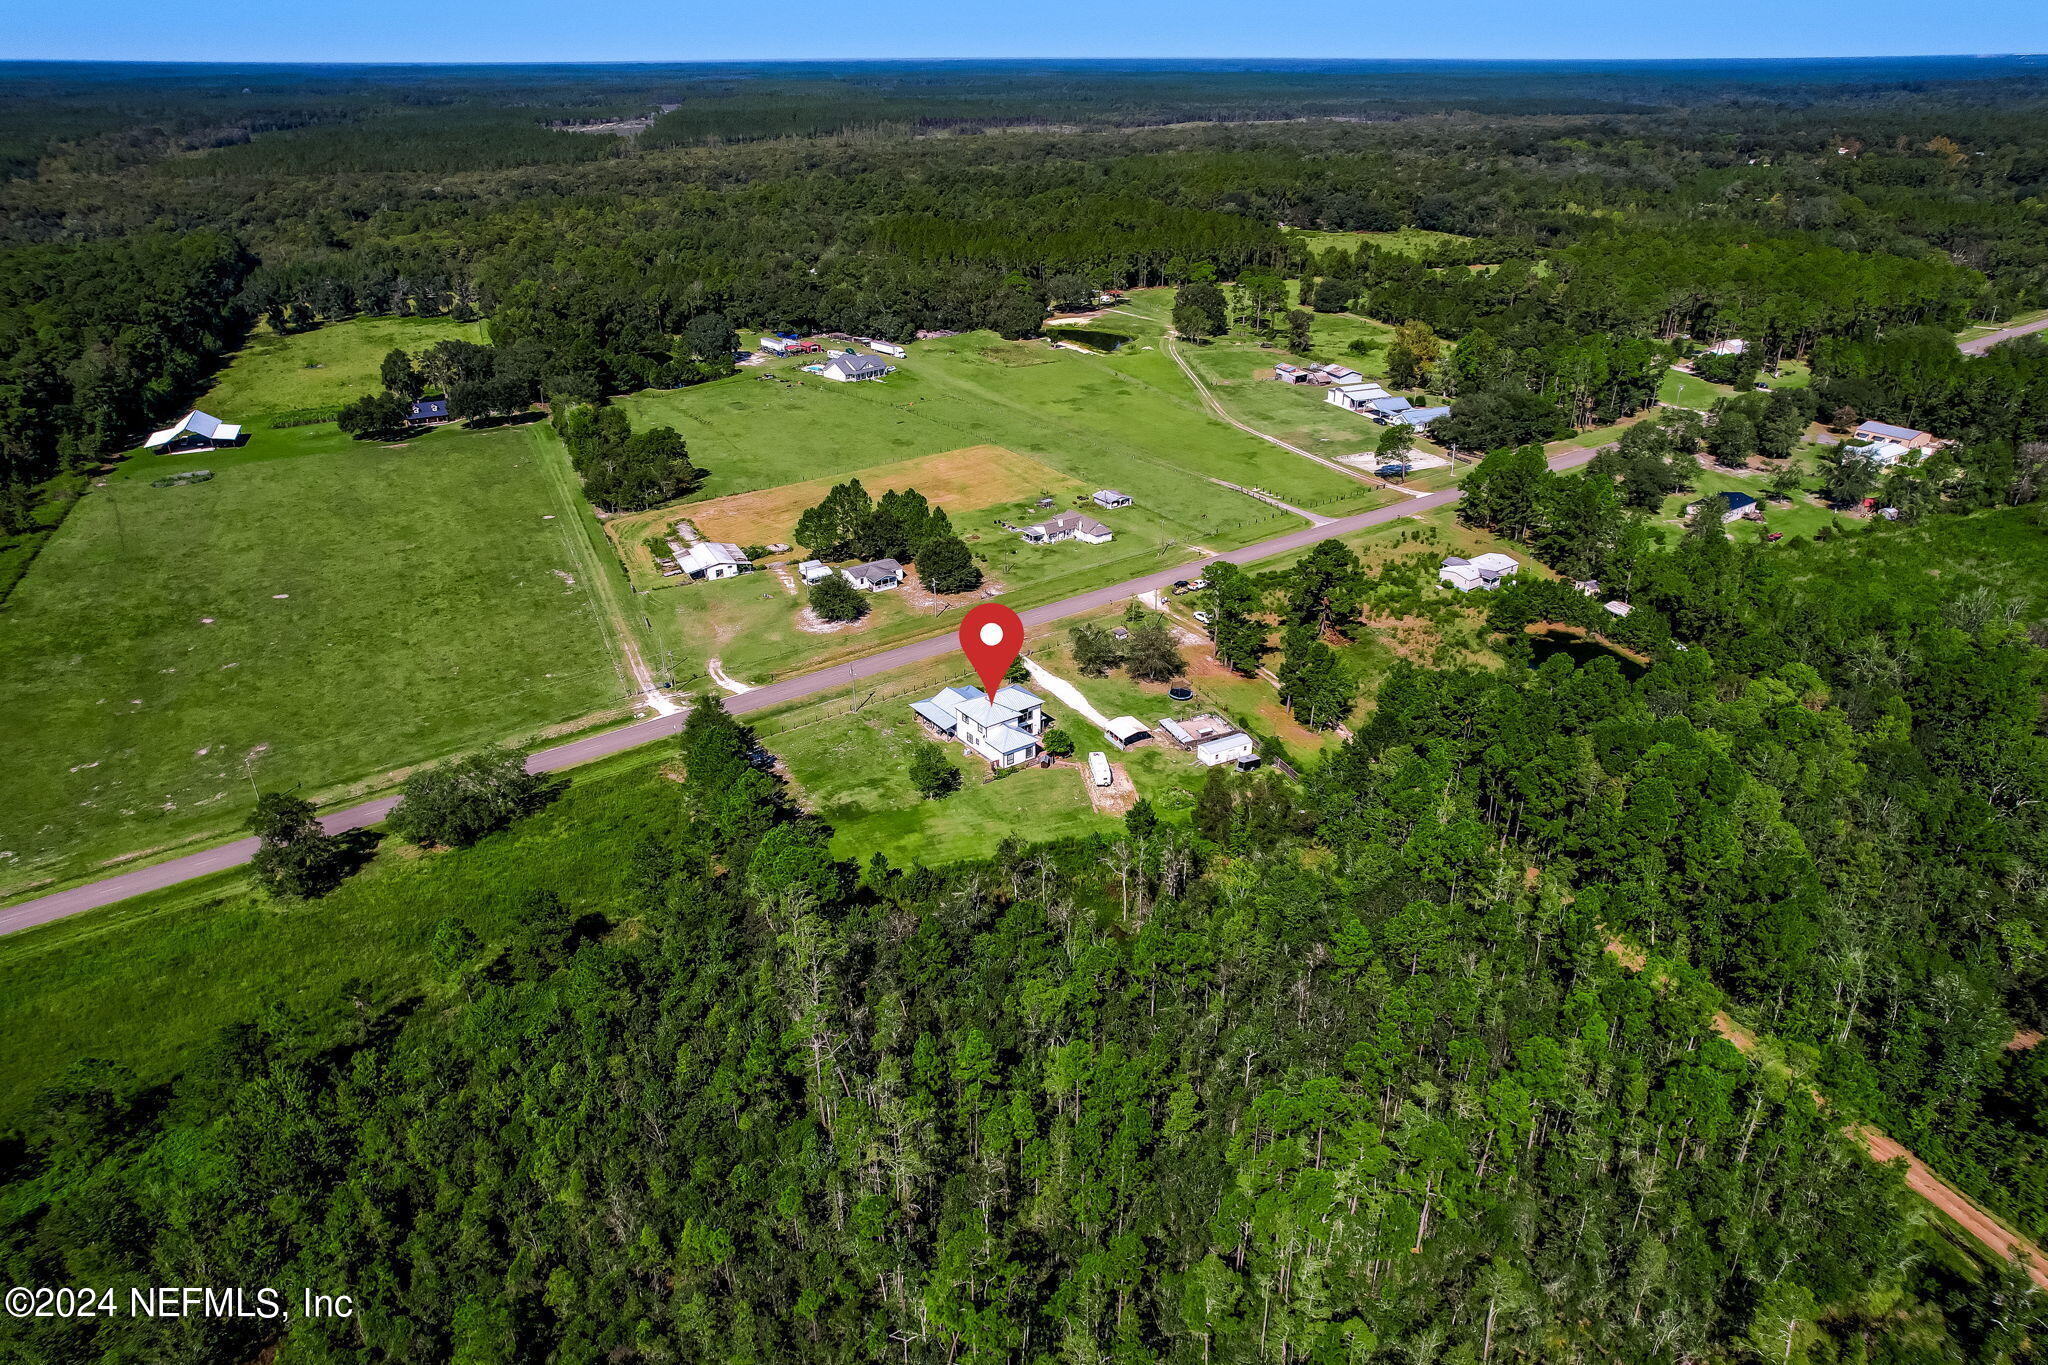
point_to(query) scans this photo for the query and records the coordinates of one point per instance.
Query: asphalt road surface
(59, 904)
(1985, 343)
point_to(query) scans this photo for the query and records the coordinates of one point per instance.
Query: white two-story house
(1004, 730)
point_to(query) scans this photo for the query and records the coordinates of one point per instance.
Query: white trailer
(1098, 768)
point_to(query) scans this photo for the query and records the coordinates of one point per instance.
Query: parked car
(1203, 617)
(1775, 535)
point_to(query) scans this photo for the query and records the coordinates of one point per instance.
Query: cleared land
(1407, 241)
(323, 368)
(1106, 421)
(977, 477)
(321, 612)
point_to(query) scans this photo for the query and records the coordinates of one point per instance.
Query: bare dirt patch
(965, 480)
(1119, 796)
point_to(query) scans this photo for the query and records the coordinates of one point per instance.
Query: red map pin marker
(991, 636)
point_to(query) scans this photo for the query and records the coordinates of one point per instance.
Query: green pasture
(323, 368)
(321, 611)
(1108, 421)
(146, 982)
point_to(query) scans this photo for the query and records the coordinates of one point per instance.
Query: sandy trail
(1993, 1234)
(1069, 694)
(724, 679)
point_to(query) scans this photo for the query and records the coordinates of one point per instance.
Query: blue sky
(686, 30)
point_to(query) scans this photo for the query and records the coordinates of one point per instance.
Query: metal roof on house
(984, 712)
(938, 715)
(1391, 403)
(1889, 432)
(1072, 523)
(1016, 698)
(709, 554)
(849, 363)
(429, 407)
(877, 569)
(1007, 739)
(1421, 417)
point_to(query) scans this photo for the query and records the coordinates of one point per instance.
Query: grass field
(322, 368)
(1407, 241)
(1105, 421)
(849, 755)
(1238, 370)
(1683, 390)
(145, 982)
(320, 612)
(1065, 422)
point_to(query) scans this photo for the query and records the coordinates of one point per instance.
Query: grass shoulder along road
(98, 985)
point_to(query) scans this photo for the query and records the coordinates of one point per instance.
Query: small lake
(1580, 650)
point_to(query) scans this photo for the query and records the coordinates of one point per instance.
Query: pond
(1580, 650)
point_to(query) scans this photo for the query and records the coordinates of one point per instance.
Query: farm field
(94, 986)
(322, 368)
(1134, 426)
(322, 611)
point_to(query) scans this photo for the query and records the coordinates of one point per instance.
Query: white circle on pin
(991, 632)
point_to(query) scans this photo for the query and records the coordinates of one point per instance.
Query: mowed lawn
(323, 368)
(320, 612)
(848, 756)
(146, 982)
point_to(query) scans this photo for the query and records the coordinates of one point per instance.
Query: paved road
(155, 877)
(1985, 343)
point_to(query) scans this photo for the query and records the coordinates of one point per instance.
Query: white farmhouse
(1004, 730)
(1068, 526)
(877, 575)
(847, 366)
(1485, 572)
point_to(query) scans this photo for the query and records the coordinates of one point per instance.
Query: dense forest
(1824, 212)
(1333, 1075)
(1340, 1065)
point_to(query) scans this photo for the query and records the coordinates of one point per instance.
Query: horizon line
(230, 63)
